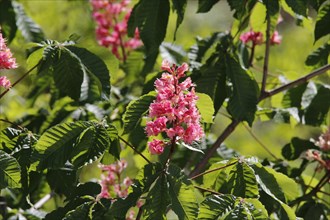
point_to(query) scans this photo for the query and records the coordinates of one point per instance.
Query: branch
(20, 79)
(229, 129)
(296, 82)
(136, 151)
(266, 60)
(207, 190)
(9, 122)
(213, 170)
(43, 200)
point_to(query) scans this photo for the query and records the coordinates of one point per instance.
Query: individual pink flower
(275, 38)
(156, 146)
(255, 37)
(111, 31)
(4, 82)
(173, 112)
(323, 141)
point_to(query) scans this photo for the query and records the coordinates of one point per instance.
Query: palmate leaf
(322, 22)
(30, 30)
(54, 146)
(10, 171)
(181, 190)
(206, 5)
(242, 181)
(157, 200)
(242, 103)
(135, 110)
(7, 20)
(151, 18)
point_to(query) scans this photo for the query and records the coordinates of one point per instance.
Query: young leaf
(205, 107)
(181, 190)
(30, 30)
(242, 104)
(322, 22)
(206, 5)
(10, 171)
(135, 110)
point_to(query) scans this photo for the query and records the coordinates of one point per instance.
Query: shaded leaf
(322, 22)
(296, 147)
(206, 5)
(173, 53)
(10, 171)
(216, 206)
(293, 97)
(180, 8)
(7, 20)
(298, 6)
(319, 57)
(135, 110)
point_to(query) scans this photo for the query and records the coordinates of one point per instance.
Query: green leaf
(181, 190)
(7, 20)
(151, 18)
(54, 146)
(293, 97)
(298, 6)
(319, 57)
(83, 211)
(10, 171)
(136, 110)
(256, 208)
(206, 5)
(91, 145)
(242, 9)
(205, 107)
(157, 200)
(242, 181)
(317, 111)
(296, 147)
(213, 83)
(216, 206)
(173, 53)
(180, 8)
(242, 103)
(313, 210)
(94, 65)
(68, 73)
(29, 29)
(114, 141)
(322, 22)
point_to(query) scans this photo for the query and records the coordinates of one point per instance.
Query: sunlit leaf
(205, 107)
(10, 171)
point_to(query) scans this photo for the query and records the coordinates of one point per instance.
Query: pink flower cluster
(174, 111)
(323, 143)
(257, 38)
(7, 61)
(111, 183)
(111, 17)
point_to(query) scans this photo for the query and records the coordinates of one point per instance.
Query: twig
(207, 190)
(20, 79)
(296, 82)
(229, 129)
(136, 151)
(259, 142)
(9, 122)
(43, 200)
(213, 170)
(266, 60)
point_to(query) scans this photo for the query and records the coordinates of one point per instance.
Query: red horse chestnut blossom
(7, 61)
(255, 37)
(111, 17)
(174, 112)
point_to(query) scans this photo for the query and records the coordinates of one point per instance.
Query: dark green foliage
(296, 147)
(206, 5)
(298, 6)
(319, 57)
(7, 20)
(322, 22)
